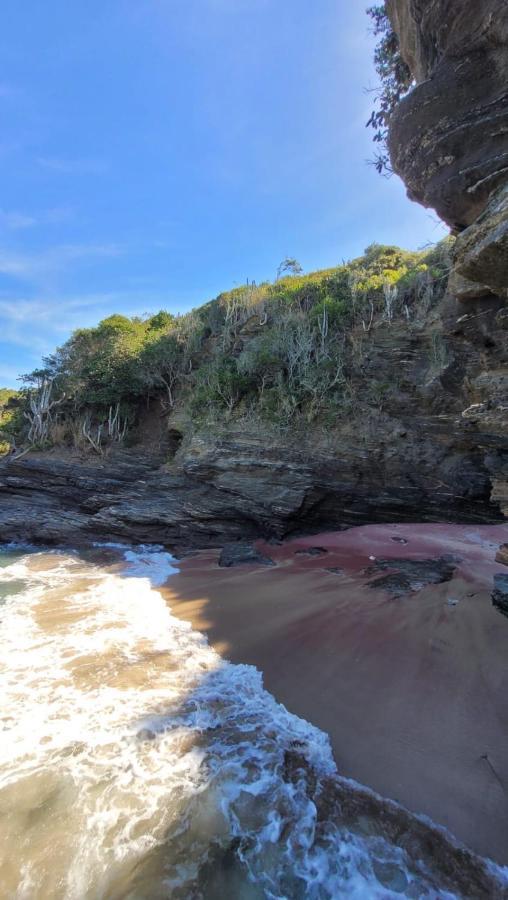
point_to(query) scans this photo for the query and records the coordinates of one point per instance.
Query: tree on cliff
(395, 78)
(289, 266)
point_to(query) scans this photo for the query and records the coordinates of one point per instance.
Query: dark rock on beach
(240, 554)
(311, 551)
(502, 555)
(500, 593)
(410, 575)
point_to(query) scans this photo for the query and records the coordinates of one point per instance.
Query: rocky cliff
(434, 450)
(448, 138)
(426, 437)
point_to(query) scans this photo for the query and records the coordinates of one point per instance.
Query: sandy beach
(411, 688)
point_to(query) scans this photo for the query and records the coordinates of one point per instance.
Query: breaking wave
(136, 763)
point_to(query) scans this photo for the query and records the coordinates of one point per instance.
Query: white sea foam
(133, 758)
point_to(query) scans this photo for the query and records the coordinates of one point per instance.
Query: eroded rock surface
(449, 137)
(500, 593)
(409, 575)
(481, 251)
(436, 449)
(242, 489)
(241, 554)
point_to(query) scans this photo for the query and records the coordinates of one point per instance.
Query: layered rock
(432, 441)
(241, 489)
(434, 449)
(482, 249)
(448, 138)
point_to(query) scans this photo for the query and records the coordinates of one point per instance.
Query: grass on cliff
(280, 351)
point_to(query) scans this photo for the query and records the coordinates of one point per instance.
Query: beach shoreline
(410, 688)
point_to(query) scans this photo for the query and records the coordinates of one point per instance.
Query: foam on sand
(135, 762)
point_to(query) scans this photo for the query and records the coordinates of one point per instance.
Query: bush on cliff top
(279, 350)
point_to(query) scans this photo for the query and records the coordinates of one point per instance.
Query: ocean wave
(138, 763)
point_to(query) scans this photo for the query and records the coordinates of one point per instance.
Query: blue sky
(156, 152)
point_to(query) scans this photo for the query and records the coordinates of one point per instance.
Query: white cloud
(50, 318)
(39, 325)
(73, 166)
(37, 266)
(14, 220)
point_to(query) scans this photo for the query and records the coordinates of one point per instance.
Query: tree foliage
(289, 266)
(10, 417)
(280, 350)
(395, 81)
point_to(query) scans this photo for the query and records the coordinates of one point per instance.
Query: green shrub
(11, 418)
(335, 310)
(280, 350)
(161, 321)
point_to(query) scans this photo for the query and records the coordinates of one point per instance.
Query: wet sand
(412, 690)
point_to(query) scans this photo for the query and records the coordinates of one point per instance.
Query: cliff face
(426, 438)
(434, 449)
(448, 138)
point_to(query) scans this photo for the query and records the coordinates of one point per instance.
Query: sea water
(136, 763)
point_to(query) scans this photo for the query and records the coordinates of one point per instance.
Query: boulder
(481, 250)
(500, 593)
(410, 575)
(502, 555)
(463, 289)
(240, 554)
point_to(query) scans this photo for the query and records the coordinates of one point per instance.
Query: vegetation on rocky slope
(395, 80)
(10, 413)
(283, 352)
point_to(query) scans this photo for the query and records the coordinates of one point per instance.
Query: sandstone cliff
(448, 138)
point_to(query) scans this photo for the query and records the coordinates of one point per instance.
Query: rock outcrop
(434, 449)
(448, 138)
(410, 575)
(239, 489)
(500, 593)
(243, 554)
(502, 555)
(432, 441)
